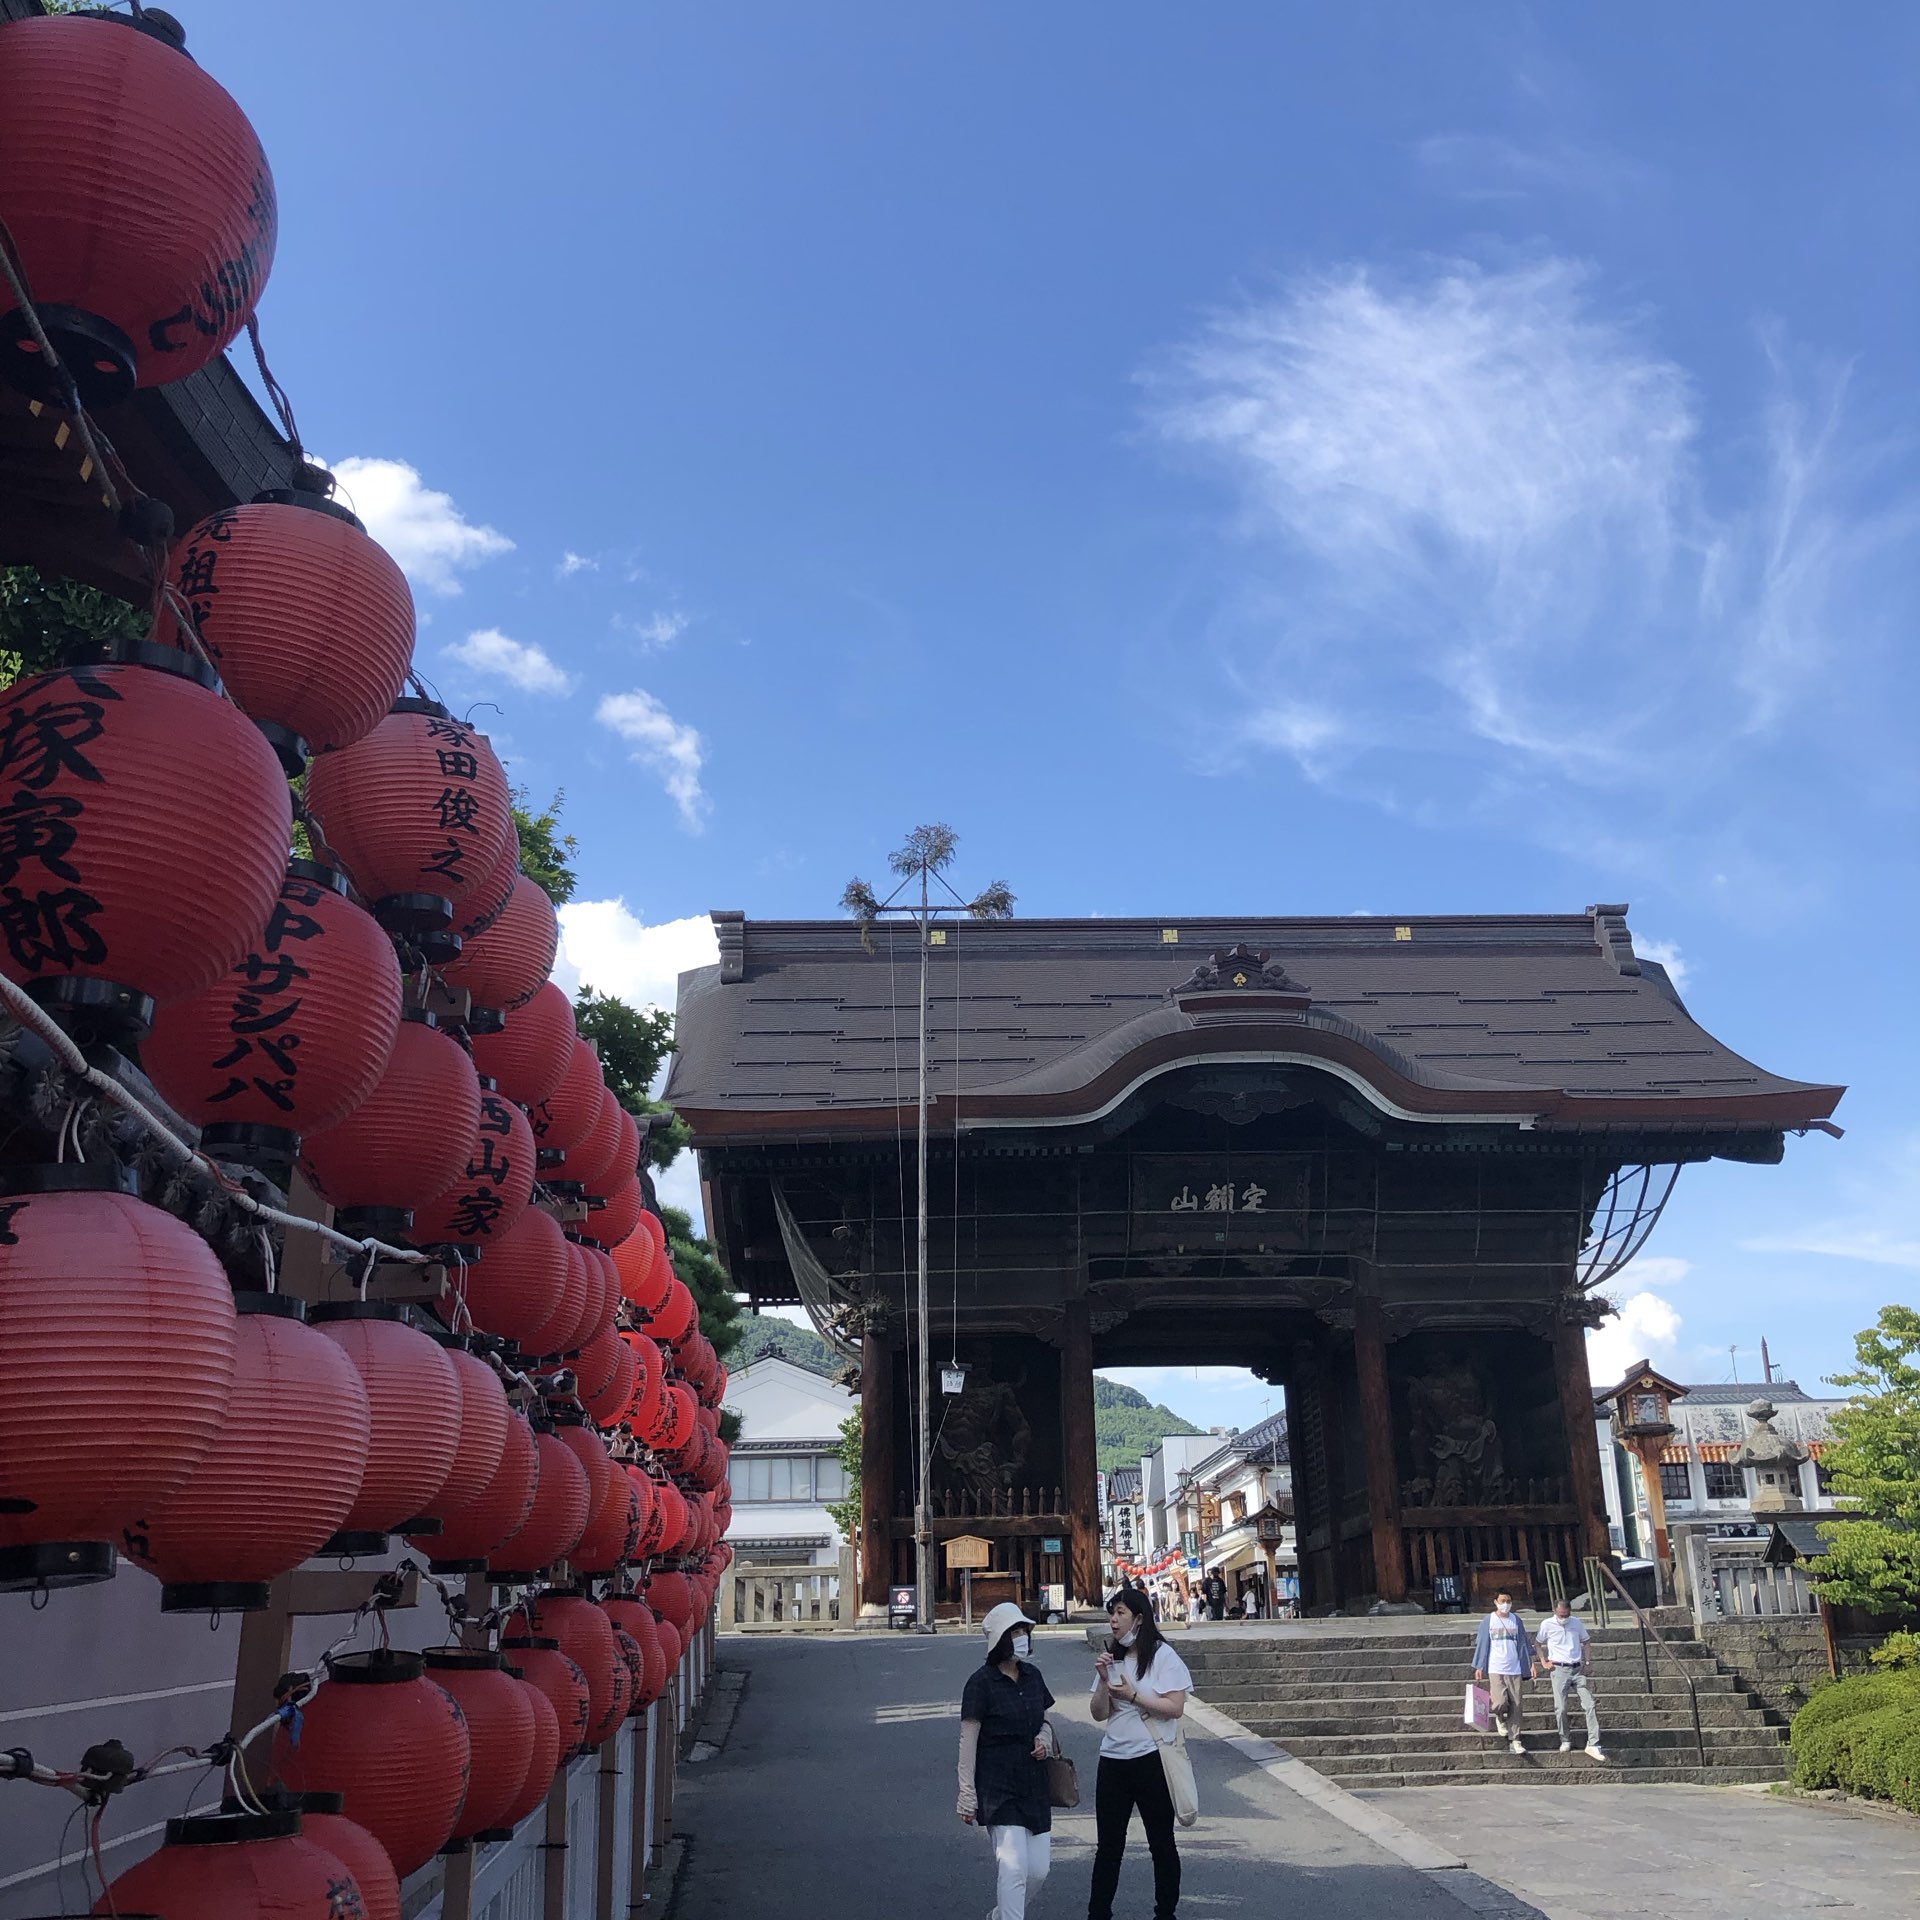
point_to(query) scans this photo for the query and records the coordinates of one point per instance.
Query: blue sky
(1243, 458)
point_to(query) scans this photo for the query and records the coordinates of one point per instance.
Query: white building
(1244, 1493)
(786, 1465)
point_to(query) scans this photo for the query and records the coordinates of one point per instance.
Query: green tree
(706, 1279)
(846, 1513)
(546, 854)
(1873, 1557)
(50, 623)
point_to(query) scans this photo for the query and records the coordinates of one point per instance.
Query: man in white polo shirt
(1567, 1649)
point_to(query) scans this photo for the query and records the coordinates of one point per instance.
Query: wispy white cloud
(657, 630)
(1667, 954)
(1879, 1223)
(664, 746)
(490, 653)
(1480, 572)
(426, 533)
(1478, 166)
(571, 563)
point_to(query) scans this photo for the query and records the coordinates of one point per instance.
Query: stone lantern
(1775, 1462)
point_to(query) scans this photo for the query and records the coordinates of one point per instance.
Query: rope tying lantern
(117, 1344)
(281, 1475)
(263, 581)
(296, 1036)
(392, 1743)
(127, 874)
(139, 203)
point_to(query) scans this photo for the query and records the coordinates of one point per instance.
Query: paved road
(1678, 1853)
(832, 1799)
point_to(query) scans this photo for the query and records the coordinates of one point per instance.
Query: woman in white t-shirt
(1139, 1691)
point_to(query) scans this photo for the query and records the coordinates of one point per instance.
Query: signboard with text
(1240, 1200)
(968, 1550)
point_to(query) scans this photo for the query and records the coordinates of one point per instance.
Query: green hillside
(1127, 1424)
(760, 1336)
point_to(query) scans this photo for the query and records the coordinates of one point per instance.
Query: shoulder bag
(1181, 1785)
(1063, 1782)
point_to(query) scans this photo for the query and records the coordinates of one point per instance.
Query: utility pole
(926, 854)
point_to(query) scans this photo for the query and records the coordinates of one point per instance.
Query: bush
(1897, 1651)
(1863, 1736)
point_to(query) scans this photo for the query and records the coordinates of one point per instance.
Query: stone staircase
(1383, 1709)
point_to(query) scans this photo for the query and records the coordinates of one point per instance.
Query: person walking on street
(1567, 1649)
(1214, 1588)
(1004, 1745)
(1140, 1686)
(1502, 1660)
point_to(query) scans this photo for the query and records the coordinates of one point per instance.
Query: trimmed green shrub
(1863, 1736)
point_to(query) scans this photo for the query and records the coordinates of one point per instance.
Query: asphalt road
(833, 1793)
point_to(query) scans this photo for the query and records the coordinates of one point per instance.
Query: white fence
(762, 1599)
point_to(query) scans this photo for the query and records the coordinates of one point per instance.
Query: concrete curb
(1391, 1835)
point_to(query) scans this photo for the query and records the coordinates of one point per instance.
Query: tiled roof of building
(1123, 1483)
(1550, 1019)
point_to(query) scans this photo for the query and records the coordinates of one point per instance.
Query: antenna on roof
(1766, 1362)
(1733, 1358)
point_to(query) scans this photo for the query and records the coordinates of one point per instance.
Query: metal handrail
(1648, 1628)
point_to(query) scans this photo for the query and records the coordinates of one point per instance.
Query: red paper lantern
(635, 1618)
(567, 1115)
(602, 1300)
(139, 203)
(585, 1635)
(470, 1533)
(499, 1732)
(297, 1035)
(505, 964)
(409, 1140)
(676, 1315)
(484, 1420)
(531, 1053)
(673, 1645)
(623, 1167)
(485, 904)
(671, 1506)
(558, 1518)
(543, 1760)
(613, 1533)
(237, 1866)
(418, 810)
(649, 1383)
(590, 1450)
(494, 1189)
(560, 1330)
(641, 1260)
(356, 1849)
(609, 1403)
(394, 1744)
(151, 823)
(281, 1475)
(636, 1665)
(117, 1343)
(543, 1665)
(517, 1285)
(676, 1422)
(586, 1161)
(309, 621)
(662, 1516)
(413, 1405)
(618, 1218)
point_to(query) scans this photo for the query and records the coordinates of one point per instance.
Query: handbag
(1063, 1782)
(1478, 1709)
(1181, 1785)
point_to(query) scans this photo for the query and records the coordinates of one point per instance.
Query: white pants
(1021, 1860)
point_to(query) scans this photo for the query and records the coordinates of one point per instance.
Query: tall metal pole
(923, 1511)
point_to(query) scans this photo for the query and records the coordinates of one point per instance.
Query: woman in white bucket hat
(1003, 1750)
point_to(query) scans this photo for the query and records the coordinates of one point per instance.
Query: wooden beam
(1577, 1414)
(876, 1469)
(1376, 1423)
(1081, 1455)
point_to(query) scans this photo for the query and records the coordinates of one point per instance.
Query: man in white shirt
(1502, 1660)
(1567, 1648)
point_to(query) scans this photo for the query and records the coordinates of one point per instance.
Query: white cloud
(1479, 571)
(679, 1186)
(657, 630)
(1667, 953)
(529, 667)
(572, 563)
(423, 530)
(609, 948)
(662, 744)
(1645, 1328)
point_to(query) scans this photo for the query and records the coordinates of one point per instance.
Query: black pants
(1119, 1787)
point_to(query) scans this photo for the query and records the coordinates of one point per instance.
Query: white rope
(30, 1013)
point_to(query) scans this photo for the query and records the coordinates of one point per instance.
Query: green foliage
(846, 1513)
(1862, 1734)
(762, 1337)
(546, 854)
(706, 1279)
(1873, 1560)
(1127, 1424)
(631, 1043)
(51, 623)
(1898, 1653)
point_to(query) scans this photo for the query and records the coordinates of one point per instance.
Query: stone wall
(1780, 1658)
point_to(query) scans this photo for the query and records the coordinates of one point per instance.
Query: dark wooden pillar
(876, 1468)
(1080, 1454)
(1383, 1473)
(1583, 1448)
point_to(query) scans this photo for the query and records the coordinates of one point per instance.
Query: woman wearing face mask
(1139, 1691)
(1003, 1747)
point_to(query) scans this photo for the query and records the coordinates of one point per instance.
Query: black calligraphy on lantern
(263, 1057)
(51, 929)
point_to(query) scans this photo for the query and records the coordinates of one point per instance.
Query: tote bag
(1063, 1782)
(1181, 1785)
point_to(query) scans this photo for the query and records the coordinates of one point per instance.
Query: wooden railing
(782, 1599)
(1003, 1503)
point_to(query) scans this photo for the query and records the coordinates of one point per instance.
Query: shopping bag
(1183, 1789)
(1479, 1708)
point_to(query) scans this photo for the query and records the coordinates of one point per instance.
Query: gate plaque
(968, 1550)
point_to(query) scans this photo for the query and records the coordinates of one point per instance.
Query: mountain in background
(1127, 1424)
(761, 1335)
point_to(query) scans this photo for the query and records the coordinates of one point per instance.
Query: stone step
(1292, 1725)
(1371, 1683)
(1360, 1750)
(1608, 1653)
(1350, 1768)
(1519, 1772)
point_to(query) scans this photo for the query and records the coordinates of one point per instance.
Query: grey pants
(1507, 1702)
(1564, 1679)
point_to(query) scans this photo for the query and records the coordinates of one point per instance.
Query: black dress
(1010, 1783)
